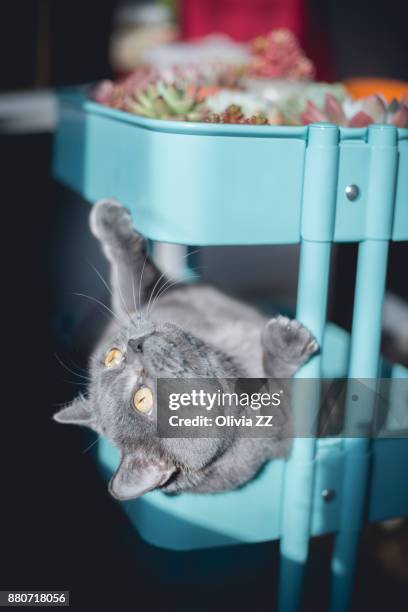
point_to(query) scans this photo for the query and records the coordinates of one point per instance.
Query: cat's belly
(217, 319)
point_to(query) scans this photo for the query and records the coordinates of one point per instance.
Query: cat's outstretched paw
(111, 222)
(290, 338)
(287, 346)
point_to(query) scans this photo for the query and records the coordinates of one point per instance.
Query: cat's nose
(135, 345)
(134, 352)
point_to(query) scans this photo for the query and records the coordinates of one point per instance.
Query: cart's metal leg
(365, 347)
(365, 351)
(299, 473)
(318, 212)
(171, 259)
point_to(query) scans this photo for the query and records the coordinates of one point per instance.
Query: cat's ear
(136, 475)
(78, 413)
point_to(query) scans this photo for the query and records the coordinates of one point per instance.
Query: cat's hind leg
(287, 345)
(133, 273)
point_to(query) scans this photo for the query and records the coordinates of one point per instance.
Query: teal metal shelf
(178, 178)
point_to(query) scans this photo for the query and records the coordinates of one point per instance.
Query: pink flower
(278, 55)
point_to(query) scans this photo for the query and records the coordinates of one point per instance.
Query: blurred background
(59, 529)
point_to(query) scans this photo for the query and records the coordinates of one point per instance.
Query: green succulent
(163, 101)
(291, 108)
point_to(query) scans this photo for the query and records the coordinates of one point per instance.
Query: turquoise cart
(205, 184)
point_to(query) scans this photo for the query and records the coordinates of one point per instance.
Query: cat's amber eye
(113, 358)
(143, 400)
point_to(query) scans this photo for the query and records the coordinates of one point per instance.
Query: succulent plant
(360, 113)
(250, 102)
(184, 93)
(234, 114)
(163, 101)
(208, 78)
(114, 95)
(292, 107)
(206, 74)
(279, 55)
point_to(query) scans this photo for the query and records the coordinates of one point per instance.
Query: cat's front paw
(288, 340)
(110, 221)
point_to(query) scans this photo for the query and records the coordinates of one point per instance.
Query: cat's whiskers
(84, 370)
(152, 293)
(140, 281)
(124, 303)
(90, 297)
(92, 444)
(110, 290)
(101, 277)
(78, 367)
(87, 378)
(166, 287)
(161, 276)
(134, 296)
(106, 284)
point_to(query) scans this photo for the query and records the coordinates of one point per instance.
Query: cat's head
(121, 405)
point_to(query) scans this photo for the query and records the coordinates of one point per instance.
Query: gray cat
(188, 331)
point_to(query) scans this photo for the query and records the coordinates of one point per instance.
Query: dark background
(59, 529)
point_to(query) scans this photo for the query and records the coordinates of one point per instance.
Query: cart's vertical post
(365, 351)
(172, 259)
(317, 226)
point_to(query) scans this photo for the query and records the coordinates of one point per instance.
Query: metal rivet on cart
(328, 495)
(352, 192)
